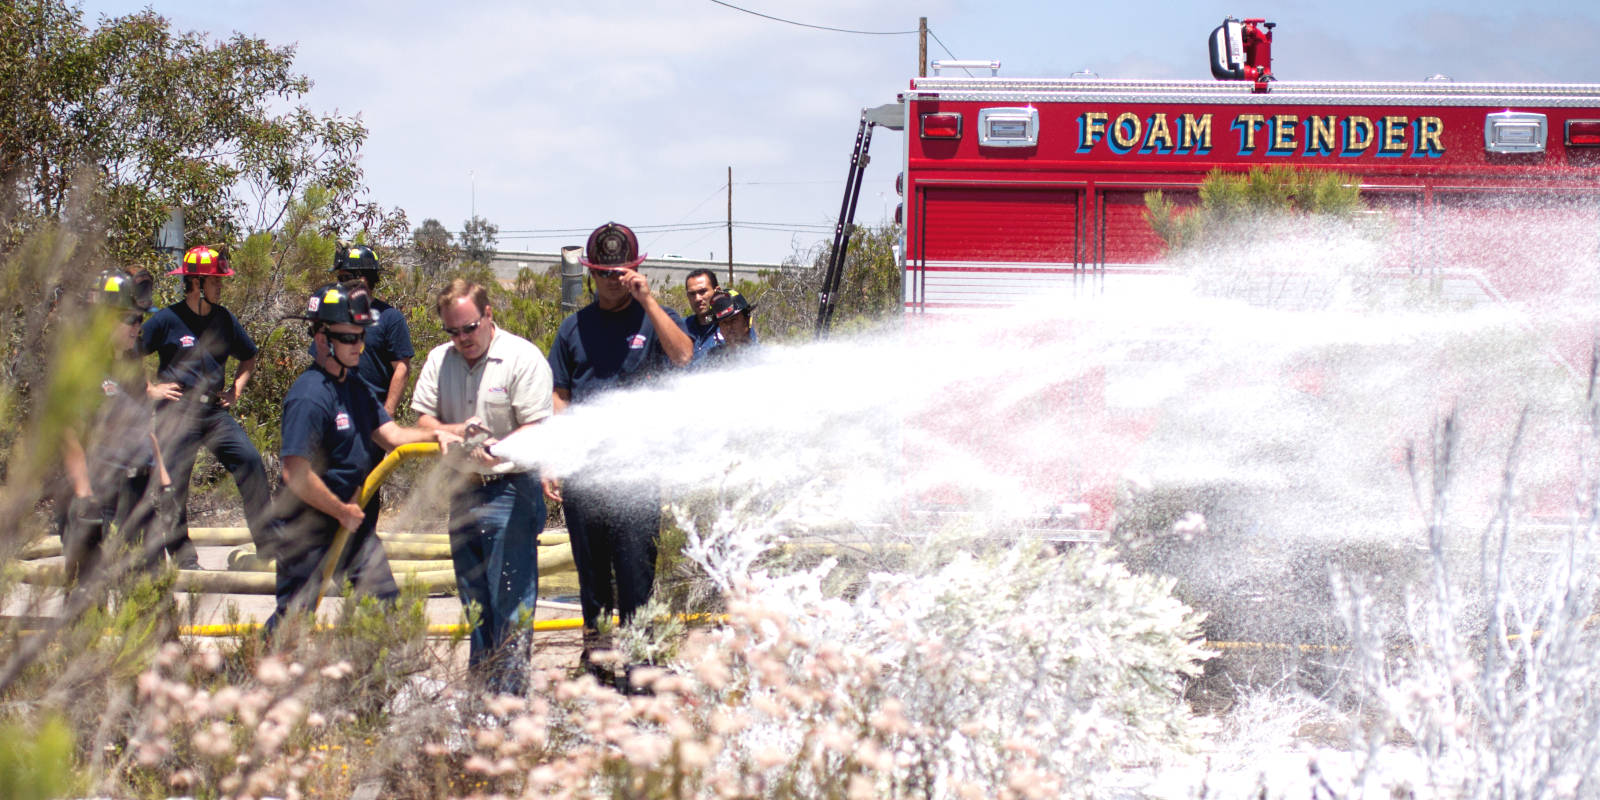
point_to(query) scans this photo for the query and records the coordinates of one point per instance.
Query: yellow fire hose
(457, 629)
(246, 628)
(375, 479)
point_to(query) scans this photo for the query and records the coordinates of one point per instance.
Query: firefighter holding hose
(334, 433)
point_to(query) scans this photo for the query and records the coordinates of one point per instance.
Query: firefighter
(193, 340)
(700, 286)
(386, 361)
(733, 315)
(116, 473)
(334, 433)
(620, 340)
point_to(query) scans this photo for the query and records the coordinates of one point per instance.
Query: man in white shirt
(486, 380)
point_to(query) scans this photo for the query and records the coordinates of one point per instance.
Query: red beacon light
(941, 125)
(1583, 133)
(1241, 50)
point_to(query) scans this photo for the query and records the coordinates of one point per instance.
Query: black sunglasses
(471, 327)
(608, 273)
(346, 338)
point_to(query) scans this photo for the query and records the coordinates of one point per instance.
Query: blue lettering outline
(1323, 149)
(1381, 136)
(1344, 141)
(1238, 125)
(1149, 128)
(1416, 139)
(1083, 124)
(1272, 130)
(1111, 137)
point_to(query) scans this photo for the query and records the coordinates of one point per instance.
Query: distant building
(666, 268)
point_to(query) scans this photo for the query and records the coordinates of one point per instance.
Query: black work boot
(599, 657)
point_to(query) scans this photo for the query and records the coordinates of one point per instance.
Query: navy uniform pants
(615, 531)
(184, 426)
(124, 501)
(304, 541)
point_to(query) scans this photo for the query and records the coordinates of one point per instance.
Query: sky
(550, 116)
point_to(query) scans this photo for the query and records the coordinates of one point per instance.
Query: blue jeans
(305, 540)
(615, 530)
(494, 542)
(185, 425)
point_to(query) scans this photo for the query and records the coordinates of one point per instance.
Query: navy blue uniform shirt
(705, 336)
(194, 350)
(330, 423)
(119, 437)
(596, 351)
(387, 342)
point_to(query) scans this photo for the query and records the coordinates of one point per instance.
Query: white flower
(272, 672)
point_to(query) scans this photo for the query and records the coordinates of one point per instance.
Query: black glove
(166, 512)
(80, 538)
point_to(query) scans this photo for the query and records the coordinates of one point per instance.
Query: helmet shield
(124, 290)
(727, 303)
(339, 304)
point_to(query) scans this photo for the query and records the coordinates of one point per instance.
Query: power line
(717, 191)
(816, 27)
(805, 183)
(673, 227)
(790, 227)
(947, 51)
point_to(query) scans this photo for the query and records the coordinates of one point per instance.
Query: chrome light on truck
(1514, 132)
(1008, 127)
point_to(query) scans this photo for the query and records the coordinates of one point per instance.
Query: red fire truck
(1015, 187)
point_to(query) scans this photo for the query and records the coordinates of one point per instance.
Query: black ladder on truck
(891, 116)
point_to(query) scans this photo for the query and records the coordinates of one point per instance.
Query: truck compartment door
(988, 245)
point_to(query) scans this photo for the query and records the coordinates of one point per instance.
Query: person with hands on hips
(334, 433)
(193, 340)
(482, 385)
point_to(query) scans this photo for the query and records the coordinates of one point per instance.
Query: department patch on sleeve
(186, 341)
(636, 341)
(341, 421)
(109, 387)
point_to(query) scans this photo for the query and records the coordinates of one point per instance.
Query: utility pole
(730, 226)
(922, 47)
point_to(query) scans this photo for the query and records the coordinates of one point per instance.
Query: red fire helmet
(203, 260)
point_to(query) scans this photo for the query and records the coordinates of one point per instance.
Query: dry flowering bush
(1492, 687)
(1019, 673)
(247, 740)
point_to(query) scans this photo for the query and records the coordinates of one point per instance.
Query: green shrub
(1228, 199)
